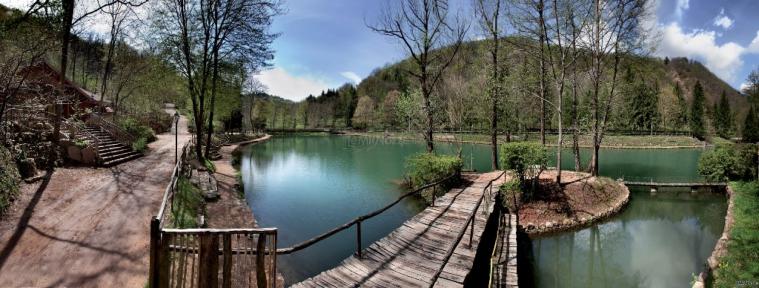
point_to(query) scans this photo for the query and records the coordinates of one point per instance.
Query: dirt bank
(87, 227)
(583, 201)
(230, 210)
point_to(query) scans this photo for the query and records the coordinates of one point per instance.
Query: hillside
(465, 77)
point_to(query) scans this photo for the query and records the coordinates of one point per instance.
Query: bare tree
(489, 14)
(118, 14)
(560, 35)
(239, 29)
(423, 26)
(528, 18)
(615, 30)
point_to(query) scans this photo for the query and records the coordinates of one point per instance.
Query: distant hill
(468, 70)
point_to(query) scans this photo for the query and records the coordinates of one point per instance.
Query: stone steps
(110, 151)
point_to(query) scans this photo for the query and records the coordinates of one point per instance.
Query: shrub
(728, 162)
(527, 160)
(9, 179)
(511, 192)
(426, 168)
(135, 128)
(140, 145)
(187, 204)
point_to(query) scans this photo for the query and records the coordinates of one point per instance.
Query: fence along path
(435, 248)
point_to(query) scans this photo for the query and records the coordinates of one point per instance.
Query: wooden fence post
(261, 261)
(358, 239)
(227, 268)
(208, 264)
(155, 237)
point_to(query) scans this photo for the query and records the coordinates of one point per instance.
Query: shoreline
(620, 147)
(230, 210)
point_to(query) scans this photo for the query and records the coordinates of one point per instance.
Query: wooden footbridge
(435, 248)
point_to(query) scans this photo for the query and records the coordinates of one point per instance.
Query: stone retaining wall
(720, 249)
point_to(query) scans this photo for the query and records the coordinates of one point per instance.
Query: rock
(74, 153)
(27, 168)
(549, 225)
(88, 155)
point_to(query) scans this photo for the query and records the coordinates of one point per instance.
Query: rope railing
(470, 222)
(357, 221)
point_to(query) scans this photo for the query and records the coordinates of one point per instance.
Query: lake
(306, 185)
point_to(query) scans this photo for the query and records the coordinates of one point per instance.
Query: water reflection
(658, 241)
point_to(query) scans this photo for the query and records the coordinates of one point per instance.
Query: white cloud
(351, 76)
(744, 86)
(680, 7)
(722, 20)
(724, 60)
(754, 46)
(283, 84)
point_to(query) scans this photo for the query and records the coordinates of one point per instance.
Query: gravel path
(86, 227)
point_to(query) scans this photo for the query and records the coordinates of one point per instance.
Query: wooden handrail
(469, 220)
(117, 132)
(357, 220)
(169, 191)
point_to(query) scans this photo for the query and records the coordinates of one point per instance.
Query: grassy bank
(585, 141)
(741, 263)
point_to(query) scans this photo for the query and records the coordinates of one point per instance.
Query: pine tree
(723, 117)
(751, 127)
(697, 112)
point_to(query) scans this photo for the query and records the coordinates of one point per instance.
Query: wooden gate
(215, 258)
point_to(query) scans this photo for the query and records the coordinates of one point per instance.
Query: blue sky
(325, 43)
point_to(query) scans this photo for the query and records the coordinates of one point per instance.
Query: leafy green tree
(751, 127)
(697, 112)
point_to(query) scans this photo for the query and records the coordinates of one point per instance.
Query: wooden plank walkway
(505, 255)
(411, 255)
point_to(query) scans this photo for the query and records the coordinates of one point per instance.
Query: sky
(326, 43)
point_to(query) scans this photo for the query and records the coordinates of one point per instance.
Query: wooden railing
(119, 134)
(208, 257)
(470, 222)
(357, 221)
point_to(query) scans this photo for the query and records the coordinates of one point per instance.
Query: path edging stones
(720, 249)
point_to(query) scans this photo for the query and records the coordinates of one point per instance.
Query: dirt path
(86, 227)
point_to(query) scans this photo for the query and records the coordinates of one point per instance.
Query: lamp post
(176, 137)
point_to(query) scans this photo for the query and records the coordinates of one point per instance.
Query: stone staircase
(110, 151)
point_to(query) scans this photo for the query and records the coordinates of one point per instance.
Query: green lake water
(306, 185)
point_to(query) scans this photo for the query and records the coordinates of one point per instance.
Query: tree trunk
(214, 78)
(68, 18)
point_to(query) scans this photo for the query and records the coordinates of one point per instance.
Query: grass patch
(187, 204)
(741, 263)
(210, 166)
